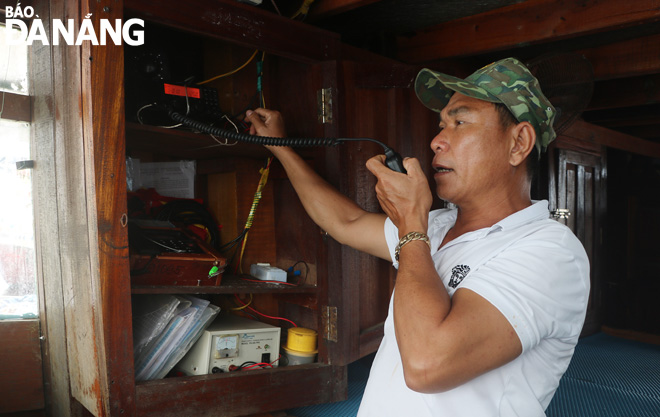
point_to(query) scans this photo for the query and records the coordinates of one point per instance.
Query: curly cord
(264, 140)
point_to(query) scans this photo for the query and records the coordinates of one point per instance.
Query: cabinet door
(374, 100)
(79, 128)
(577, 199)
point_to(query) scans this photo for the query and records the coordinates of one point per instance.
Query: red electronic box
(172, 256)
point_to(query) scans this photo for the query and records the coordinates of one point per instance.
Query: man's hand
(405, 198)
(266, 122)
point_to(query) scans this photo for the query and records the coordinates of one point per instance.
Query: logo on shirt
(457, 274)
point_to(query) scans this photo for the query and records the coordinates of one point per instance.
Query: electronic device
(163, 254)
(231, 341)
(154, 75)
(196, 101)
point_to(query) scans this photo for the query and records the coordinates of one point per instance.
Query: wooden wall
(21, 384)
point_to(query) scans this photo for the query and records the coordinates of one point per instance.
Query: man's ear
(523, 139)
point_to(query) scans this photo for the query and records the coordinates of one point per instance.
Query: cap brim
(434, 89)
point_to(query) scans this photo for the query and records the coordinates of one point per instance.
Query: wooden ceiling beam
(522, 24)
(602, 136)
(326, 8)
(630, 58)
(635, 91)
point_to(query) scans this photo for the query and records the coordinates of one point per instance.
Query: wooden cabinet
(83, 136)
(578, 199)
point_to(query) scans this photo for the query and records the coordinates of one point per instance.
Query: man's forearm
(421, 303)
(335, 213)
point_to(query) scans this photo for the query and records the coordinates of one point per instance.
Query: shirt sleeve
(540, 284)
(392, 238)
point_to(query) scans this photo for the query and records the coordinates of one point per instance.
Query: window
(18, 283)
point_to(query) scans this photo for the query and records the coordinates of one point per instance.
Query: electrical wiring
(260, 74)
(276, 8)
(243, 366)
(302, 280)
(269, 281)
(234, 71)
(172, 126)
(392, 159)
(262, 314)
(303, 10)
(242, 238)
(244, 306)
(250, 219)
(259, 364)
(220, 143)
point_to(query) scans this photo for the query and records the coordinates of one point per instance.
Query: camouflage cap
(507, 81)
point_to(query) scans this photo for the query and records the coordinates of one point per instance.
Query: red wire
(262, 314)
(269, 281)
(262, 364)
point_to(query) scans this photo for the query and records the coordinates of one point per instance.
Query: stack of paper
(164, 328)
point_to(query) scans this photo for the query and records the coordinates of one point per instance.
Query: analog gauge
(226, 346)
(227, 342)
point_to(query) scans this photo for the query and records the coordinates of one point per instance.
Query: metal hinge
(324, 101)
(560, 214)
(28, 164)
(329, 323)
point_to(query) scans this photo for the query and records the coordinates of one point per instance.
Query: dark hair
(506, 120)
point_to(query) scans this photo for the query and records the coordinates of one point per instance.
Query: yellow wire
(232, 71)
(255, 202)
(263, 100)
(240, 257)
(244, 306)
(304, 8)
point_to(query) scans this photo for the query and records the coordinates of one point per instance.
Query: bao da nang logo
(131, 32)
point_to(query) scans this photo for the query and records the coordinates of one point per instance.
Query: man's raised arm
(335, 213)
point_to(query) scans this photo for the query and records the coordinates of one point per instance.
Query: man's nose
(439, 142)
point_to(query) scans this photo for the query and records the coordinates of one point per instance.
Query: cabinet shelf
(185, 144)
(230, 284)
(179, 143)
(225, 394)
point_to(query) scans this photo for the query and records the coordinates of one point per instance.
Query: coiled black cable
(393, 159)
(253, 139)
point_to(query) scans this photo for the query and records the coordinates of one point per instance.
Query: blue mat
(607, 377)
(358, 373)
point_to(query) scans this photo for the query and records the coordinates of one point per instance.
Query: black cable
(253, 139)
(393, 159)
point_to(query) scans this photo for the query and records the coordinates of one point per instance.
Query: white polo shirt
(532, 269)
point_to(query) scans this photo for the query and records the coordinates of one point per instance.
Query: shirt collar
(537, 211)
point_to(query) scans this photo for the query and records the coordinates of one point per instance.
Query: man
(490, 297)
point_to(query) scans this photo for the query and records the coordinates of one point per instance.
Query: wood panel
(66, 121)
(601, 136)
(581, 190)
(326, 8)
(225, 395)
(103, 122)
(527, 22)
(241, 24)
(46, 73)
(20, 360)
(627, 58)
(635, 91)
(369, 107)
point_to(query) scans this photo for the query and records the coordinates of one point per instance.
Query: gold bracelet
(409, 238)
